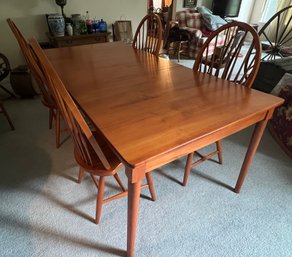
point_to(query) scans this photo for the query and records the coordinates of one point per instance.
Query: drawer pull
(99, 39)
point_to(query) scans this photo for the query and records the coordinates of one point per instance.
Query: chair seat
(97, 168)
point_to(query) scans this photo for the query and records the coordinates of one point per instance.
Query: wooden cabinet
(99, 37)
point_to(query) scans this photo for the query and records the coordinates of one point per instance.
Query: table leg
(254, 142)
(133, 209)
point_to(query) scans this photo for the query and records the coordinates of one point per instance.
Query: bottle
(102, 26)
(97, 25)
(88, 22)
(82, 27)
(94, 25)
(69, 29)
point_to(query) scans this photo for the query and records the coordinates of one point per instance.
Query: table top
(153, 110)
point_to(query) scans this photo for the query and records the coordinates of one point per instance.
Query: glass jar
(76, 18)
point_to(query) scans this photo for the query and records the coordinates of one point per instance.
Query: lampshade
(61, 2)
(168, 2)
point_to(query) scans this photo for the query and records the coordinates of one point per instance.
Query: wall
(207, 3)
(29, 16)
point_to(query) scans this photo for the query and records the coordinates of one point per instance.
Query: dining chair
(5, 113)
(174, 38)
(148, 36)
(92, 153)
(47, 98)
(237, 61)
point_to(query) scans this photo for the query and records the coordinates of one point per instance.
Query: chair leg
(7, 117)
(51, 116)
(219, 149)
(151, 185)
(188, 168)
(57, 128)
(99, 200)
(80, 175)
(116, 176)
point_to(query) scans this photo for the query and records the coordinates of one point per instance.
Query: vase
(69, 29)
(57, 24)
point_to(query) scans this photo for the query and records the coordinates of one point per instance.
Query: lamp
(61, 3)
(166, 9)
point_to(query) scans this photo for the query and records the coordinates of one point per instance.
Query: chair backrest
(148, 36)
(83, 138)
(238, 58)
(33, 66)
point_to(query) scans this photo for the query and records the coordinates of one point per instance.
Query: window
(269, 9)
(157, 4)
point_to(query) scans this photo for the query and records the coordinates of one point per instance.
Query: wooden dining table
(152, 111)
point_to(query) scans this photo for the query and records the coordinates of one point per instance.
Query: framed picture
(190, 3)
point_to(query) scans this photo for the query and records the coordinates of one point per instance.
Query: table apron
(137, 172)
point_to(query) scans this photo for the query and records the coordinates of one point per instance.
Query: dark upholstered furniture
(270, 73)
(281, 123)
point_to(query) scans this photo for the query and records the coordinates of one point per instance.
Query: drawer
(79, 40)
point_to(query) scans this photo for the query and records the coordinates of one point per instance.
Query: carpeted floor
(44, 212)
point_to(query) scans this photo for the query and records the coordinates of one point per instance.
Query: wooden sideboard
(99, 37)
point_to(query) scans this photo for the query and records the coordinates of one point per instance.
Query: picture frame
(189, 3)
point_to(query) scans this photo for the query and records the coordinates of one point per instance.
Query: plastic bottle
(102, 26)
(88, 22)
(94, 25)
